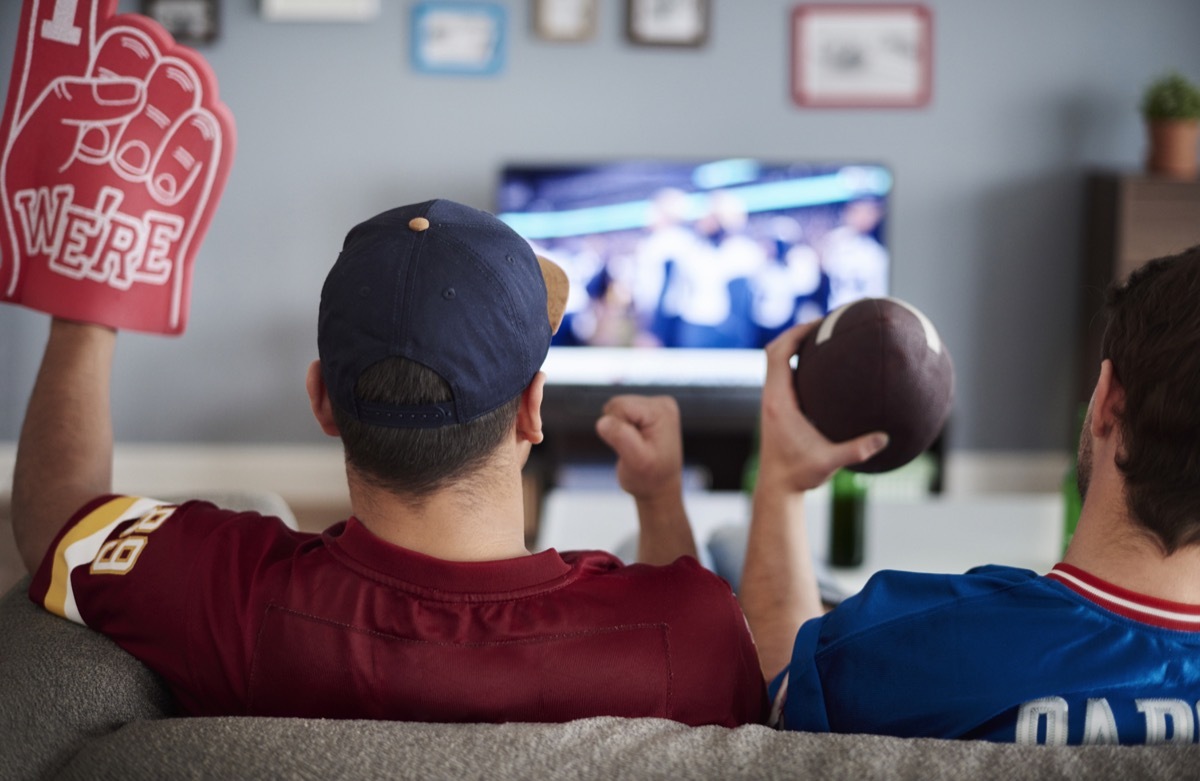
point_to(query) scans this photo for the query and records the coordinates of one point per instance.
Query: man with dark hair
(425, 604)
(1102, 649)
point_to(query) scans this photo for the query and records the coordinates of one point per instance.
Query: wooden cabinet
(1130, 219)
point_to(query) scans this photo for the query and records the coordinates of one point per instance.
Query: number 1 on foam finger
(61, 27)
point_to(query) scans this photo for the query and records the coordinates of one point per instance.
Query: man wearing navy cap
(425, 604)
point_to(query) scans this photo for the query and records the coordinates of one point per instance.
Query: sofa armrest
(63, 685)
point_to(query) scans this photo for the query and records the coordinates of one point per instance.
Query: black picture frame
(678, 23)
(190, 22)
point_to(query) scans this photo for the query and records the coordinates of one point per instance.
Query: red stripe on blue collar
(1130, 604)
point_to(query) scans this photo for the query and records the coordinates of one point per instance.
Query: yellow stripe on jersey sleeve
(80, 545)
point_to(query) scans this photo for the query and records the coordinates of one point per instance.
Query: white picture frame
(319, 10)
(565, 20)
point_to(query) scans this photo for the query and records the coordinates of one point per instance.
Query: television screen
(681, 271)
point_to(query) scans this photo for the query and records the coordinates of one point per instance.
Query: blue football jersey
(998, 654)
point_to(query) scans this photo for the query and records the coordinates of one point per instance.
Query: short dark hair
(417, 462)
(1153, 341)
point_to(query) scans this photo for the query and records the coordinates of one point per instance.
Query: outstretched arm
(779, 587)
(64, 455)
(644, 432)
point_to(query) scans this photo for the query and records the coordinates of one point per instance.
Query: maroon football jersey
(243, 616)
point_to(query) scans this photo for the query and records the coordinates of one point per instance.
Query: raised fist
(115, 153)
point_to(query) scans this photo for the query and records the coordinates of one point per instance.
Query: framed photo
(189, 22)
(667, 22)
(862, 55)
(319, 10)
(465, 38)
(564, 20)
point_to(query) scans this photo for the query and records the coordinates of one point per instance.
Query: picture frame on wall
(319, 10)
(459, 38)
(866, 55)
(190, 22)
(565, 20)
(667, 22)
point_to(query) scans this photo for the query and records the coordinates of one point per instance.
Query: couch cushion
(600, 748)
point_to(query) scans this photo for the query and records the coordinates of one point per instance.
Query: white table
(949, 534)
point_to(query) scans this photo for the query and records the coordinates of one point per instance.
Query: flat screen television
(682, 270)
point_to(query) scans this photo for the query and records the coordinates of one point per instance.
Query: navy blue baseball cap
(449, 287)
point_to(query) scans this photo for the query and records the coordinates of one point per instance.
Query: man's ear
(529, 414)
(1108, 403)
(318, 397)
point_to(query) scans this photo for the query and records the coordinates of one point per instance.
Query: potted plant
(1171, 108)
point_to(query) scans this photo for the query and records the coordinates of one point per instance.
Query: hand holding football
(877, 364)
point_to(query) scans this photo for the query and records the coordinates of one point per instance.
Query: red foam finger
(103, 210)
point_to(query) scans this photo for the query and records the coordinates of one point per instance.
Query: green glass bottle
(1072, 501)
(750, 468)
(847, 519)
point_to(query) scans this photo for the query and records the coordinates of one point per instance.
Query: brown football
(877, 364)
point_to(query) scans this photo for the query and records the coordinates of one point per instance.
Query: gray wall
(334, 125)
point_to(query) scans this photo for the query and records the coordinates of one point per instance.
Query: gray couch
(73, 705)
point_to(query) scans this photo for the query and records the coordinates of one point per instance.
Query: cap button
(418, 224)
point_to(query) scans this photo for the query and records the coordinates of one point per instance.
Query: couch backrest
(74, 705)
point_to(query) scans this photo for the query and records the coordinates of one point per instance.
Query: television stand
(718, 425)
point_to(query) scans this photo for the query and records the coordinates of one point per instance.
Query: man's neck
(1110, 545)
(480, 519)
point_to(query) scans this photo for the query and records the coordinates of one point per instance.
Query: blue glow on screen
(835, 187)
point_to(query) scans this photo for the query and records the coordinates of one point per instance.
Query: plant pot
(1173, 147)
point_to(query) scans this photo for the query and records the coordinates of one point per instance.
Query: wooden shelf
(1130, 218)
